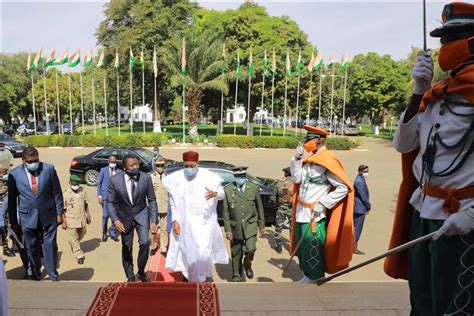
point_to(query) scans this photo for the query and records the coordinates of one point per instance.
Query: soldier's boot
(278, 248)
(7, 252)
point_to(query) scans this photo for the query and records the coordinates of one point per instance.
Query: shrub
(339, 143)
(147, 140)
(240, 141)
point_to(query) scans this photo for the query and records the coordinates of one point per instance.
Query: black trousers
(127, 249)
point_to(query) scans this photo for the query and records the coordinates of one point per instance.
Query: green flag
(132, 60)
(142, 60)
(344, 61)
(318, 62)
(38, 59)
(50, 59)
(88, 59)
(28, 63)
(331, 60)
(75, 59)
(250, 64)
(288, 64)
(183, 58)
(238, 63)
(61, 60)
(265, 64)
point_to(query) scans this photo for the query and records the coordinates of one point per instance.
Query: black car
(268, 188)
(87, 167)
(11, 144)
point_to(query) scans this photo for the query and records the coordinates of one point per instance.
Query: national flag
(131, 60)
(75, 59)
(28, 63)
(117, 60)
(155, 63)
(101, 60)
(288, 65)
(332, 60)
(39, 58)
(238, 63)
(274, 62)
(250, 64)
(62, 59)
(318, 62)
(183, 58)
(299, 64)
(142, 60)
(265, 64)
(88, 59)
(50, 60)
(311, 62)
(344, 61)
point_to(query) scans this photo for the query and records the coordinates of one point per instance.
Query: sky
(334, 27)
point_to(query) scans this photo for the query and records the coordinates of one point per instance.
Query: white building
(142, 113)
(260, 115)
(238, 115)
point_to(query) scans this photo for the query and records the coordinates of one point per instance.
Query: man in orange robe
(436, 138)
(323, 198)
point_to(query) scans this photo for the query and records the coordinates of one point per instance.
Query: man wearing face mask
(162, 197)
(102, 188)
(196, 241)
(35, 202)
(436, 138)
(132, 206)
(361, 203)
(324, 200)
(243, 219)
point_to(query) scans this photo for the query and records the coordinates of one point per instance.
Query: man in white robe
(196, 241)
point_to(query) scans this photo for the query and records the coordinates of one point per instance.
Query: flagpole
(332, 100)
(34, 101)
(118, 101)
(248, 106)
(57, 102)
(82, 100)
(131, 101)
(344, 103)
(320, 88)
(297, 102)
(261, 107)
(222, 107)
(105, 103)
(156, 107)
(273, 95)
(70, 101)
(184, 114)
(309, 97)
(93, 101)
(45, 100)
(235, 105)
(286, 101)
(143, 94)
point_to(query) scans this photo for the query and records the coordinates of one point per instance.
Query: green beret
(74, 177)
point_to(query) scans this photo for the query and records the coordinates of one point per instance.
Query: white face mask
(75, 187)
(112, 165)
(365, 174)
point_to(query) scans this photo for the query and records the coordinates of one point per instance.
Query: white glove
(422, 73)
(460, 223)
(299, 152)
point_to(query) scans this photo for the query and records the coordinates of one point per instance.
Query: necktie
(34, 183)
(133, 189)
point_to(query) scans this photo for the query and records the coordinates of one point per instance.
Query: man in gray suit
(132, 206)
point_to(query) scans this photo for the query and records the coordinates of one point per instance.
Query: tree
(202, 70)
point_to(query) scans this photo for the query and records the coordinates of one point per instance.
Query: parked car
(268, 188)
(67, 128)
(87, 167)
(11, 144)
(53, 129)
(26, 129)
(349, 130)
(9, 130)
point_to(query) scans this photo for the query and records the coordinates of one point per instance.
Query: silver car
(11, 144)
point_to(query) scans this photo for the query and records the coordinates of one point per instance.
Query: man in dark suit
(132, 206)
(361, 203)
(35, 202)
(102, 191)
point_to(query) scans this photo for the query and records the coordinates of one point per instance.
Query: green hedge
(340, 143)
(140, 140)
(256, 141)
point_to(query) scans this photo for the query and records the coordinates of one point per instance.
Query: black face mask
(132, 173)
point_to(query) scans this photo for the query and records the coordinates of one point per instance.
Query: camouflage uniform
(283, 214)
(5, 162)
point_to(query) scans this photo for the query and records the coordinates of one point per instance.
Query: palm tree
(204, 63)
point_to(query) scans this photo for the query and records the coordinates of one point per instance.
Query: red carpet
(165, 295)
(156, 298)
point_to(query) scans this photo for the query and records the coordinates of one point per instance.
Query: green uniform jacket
(243, 212)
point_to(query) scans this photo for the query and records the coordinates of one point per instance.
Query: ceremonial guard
(160, 240)
(77, 216)
(243, 219)
(436, 138)
(322, 209)
(283, 213)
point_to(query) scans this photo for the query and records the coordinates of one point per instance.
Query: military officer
(5, 164)
(243, 218)
(160, 239)
(283, 214)
(77, 216)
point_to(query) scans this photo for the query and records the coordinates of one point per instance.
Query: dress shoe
(164, 253)
(80, 260)
(15, 248)
(7, 252)
(33, 277)
(278, 248)
(358, 252)
(249, 273)
(115, 238)
(104, 237)
(152, 252)
(131, 279)
(143, 277)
